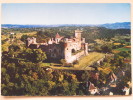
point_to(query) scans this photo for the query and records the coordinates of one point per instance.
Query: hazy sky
(67, 13)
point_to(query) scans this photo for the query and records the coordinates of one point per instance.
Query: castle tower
(67, 52)
(78, 38)
(57, 38)
(78, 34)
(86, 48)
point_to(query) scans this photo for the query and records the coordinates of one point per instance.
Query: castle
(70, 49)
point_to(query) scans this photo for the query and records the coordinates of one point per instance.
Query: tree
(106, 48)
(39, 55)
(85, 76)
(124, 54)
(23, 38)
(97, 48)
(27, 54)
(63, 61)
(34, 55)
(13, 50)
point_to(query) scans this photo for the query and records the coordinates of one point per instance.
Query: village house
(92, 89)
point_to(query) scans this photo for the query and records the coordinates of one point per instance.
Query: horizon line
(72, 24)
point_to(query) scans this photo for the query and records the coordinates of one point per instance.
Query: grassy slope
(83, 62)
(89, 59)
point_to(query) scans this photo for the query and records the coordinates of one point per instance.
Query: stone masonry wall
(75, 57)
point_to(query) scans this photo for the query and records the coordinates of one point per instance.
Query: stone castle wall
(76, 57)
(62, 48)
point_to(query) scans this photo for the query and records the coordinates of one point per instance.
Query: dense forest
(23, 75)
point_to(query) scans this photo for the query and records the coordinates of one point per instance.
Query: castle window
(73, 51)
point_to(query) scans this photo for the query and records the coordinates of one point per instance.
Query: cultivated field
(126, 48)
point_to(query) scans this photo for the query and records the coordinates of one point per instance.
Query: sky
(65, 13)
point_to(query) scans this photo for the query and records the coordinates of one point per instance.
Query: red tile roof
(57, 36)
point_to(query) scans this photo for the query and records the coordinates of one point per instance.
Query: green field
(123, 49)
(126, 48)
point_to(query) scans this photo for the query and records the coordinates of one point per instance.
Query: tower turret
(78, 34)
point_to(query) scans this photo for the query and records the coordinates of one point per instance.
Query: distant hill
(122, 25)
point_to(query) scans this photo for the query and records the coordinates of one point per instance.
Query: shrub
(76, 62)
